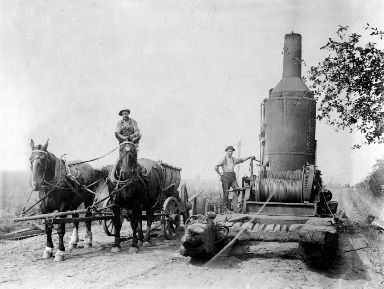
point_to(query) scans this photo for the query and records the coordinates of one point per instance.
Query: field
(277, 265)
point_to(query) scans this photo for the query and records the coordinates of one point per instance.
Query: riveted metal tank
(289, 116)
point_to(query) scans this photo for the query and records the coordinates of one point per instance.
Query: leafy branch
(348, 84)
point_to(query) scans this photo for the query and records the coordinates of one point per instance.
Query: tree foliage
(375, 180)
(348, 84)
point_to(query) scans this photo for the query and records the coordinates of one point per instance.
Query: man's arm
(241, 160)
(216, 168)
(136, 131)
(118, 135)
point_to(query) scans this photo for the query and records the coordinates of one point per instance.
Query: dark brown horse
(59, 192)
(135, 185)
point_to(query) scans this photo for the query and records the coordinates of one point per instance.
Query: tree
(375, 180)
(348, 84)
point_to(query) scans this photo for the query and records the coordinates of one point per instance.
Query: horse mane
(59, 169)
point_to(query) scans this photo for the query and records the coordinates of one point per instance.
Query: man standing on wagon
(228, 176)
(127, 129)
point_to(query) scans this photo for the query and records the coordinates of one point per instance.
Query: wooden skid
(281, 228)
(319, 231)
(283, 209)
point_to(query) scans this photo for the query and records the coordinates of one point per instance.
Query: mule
(58, 192)
(134, 185)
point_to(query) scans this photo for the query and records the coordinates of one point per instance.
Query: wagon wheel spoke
(108, 226)
(172, 219)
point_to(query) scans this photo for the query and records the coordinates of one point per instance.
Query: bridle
(37, 158)
(113, 171)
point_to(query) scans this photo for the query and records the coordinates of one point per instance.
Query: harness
(134, 176)
(61, 180)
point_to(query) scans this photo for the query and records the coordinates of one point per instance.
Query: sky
(193, 74)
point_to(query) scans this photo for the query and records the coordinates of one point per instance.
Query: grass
(6, 222)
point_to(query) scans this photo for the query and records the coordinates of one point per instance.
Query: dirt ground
(360, 263)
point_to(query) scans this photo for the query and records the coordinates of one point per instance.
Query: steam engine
(288, 176)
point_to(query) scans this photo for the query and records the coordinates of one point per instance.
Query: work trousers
(229, 181)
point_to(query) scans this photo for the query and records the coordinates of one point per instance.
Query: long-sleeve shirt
(128, 128)
(228, 164)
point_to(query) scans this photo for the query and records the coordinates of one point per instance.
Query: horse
(134, 185)
(57, 191)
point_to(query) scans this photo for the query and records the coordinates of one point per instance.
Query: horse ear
(32, 144)
(44, 148)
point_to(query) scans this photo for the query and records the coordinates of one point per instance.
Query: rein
(95, 159)
(113, 171)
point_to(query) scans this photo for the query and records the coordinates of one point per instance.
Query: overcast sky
(193, 74)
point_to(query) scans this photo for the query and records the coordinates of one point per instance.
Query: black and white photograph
(171, 144)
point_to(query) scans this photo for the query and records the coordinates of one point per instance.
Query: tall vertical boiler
(289, 116)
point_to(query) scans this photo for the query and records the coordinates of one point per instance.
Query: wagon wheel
(108, 226)
(171, 221)
(184, 201)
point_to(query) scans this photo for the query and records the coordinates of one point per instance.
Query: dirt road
(359, 265)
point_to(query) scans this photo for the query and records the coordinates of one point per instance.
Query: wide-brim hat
(121, 111)
(230, 148)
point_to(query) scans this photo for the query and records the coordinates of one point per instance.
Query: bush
(375, 180)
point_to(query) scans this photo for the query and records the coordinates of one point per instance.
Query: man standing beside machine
(228, 176)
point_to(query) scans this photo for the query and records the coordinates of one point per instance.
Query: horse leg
(75, 234)
(134, 224)
(117, 224)
(48, 252)
(59, 255)
(88, 233)
(147, 238)
(140, 234)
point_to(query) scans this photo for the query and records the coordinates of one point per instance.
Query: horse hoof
(47, 253)
(87, 242)
(87, 245)
(72, 245)
(116, 249)
(59, 256)
(133, 250)
(146, 244)
(140, 243)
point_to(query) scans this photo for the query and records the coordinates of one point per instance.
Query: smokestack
(291, 85)
(292, 55)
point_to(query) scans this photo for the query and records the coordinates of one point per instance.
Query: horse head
(39, 160)
(127, 162)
